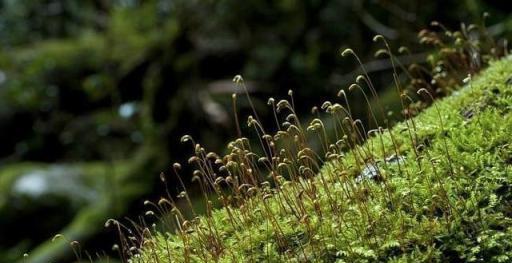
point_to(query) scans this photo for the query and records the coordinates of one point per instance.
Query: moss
(448, 200)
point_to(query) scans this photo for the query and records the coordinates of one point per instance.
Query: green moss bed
(435, 188)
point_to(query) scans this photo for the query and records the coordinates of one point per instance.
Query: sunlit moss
(446, 197)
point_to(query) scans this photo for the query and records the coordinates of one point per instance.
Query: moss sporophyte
(433, 188)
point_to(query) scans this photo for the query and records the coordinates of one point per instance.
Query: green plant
(432, 188)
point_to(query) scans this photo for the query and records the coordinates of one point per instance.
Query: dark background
(94, 95)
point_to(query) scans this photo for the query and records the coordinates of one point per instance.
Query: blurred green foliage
(64, 62)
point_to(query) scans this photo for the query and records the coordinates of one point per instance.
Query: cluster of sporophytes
(436, 187)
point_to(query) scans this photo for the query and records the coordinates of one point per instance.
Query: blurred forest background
(94, 95)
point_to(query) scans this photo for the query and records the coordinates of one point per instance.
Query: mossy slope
(441, 192)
